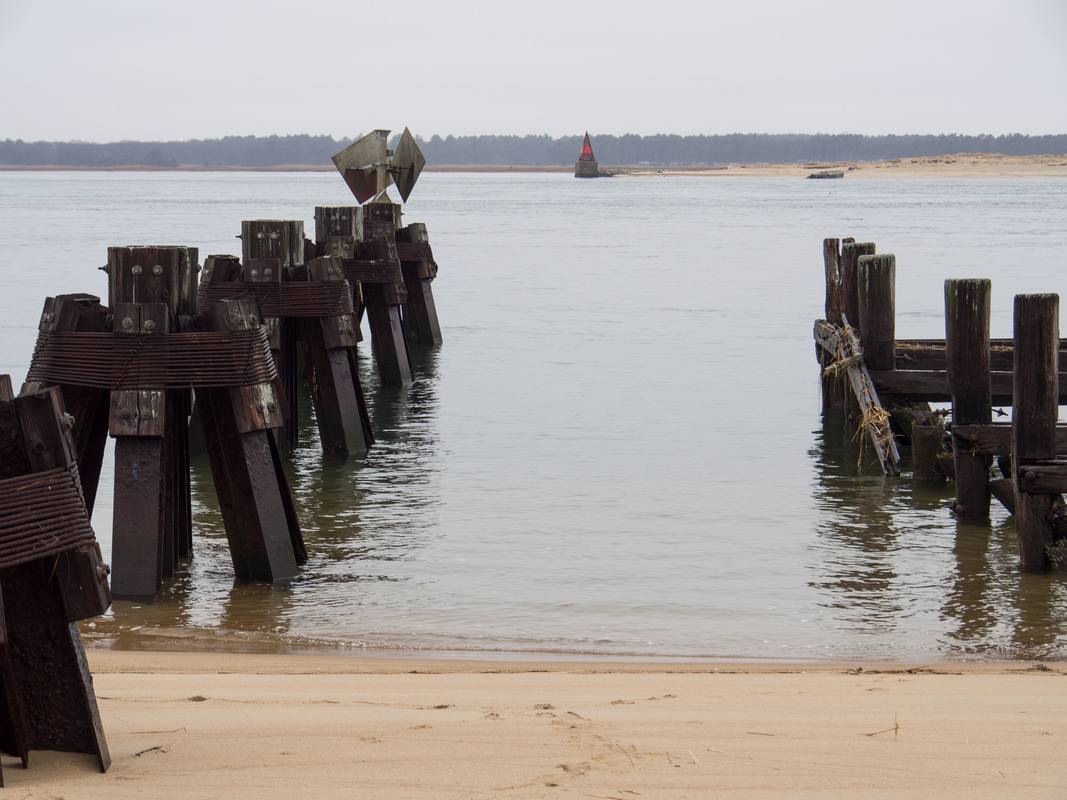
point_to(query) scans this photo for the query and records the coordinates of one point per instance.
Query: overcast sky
(101, 70)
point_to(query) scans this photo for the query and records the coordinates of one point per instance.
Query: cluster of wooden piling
(886, 385)
(225, 355)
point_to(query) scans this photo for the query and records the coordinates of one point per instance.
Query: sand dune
(237, 726)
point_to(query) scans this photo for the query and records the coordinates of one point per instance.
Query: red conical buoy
(587, 150)
(586, 166)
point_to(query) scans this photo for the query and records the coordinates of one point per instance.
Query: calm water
(619, 448)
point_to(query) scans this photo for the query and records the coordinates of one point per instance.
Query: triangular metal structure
(408, 162)
(364, 165)
(369, 167)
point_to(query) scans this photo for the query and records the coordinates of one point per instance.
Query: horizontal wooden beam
(922, 356)
(994, 439)
(931, 385)
(1045, 477)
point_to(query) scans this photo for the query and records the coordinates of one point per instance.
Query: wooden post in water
(277, 245)
(876, 300)
(967, 360)
(372, 266)
(265, 541)
(1034, 415)
(926, 440)
(143, 547)
(419, 268)
(849, 266)
(338, 403)
(152, 291)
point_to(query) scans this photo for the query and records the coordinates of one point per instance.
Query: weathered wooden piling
(927, 437)
(274, 249)
(51, 575)
(310, 315)
(374, 266)
(282, 239)
(252, 493)
(329, 346)
(420, 269)
(876, 301)
(967, 311)
(152, 292)
(88, 405)
(155, 351)
(849, 267)
(1039, 476)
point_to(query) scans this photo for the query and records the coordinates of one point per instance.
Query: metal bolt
(255, 272)
(39, 447)
(136, 269)
(157, 269)
(149, 325)
(274, 234)
(127, 323)
(268, 272)
(260, 235)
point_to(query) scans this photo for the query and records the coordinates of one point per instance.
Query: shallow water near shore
(619, 449)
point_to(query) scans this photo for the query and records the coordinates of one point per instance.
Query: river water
(619, 449)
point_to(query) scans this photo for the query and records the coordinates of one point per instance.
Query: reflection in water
(857, 538)
(881, 557)
(356, 514)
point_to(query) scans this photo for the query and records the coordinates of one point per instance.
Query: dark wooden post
(420, 310)
(265, 542)
(1035, 412)
(831, 257)
(152, 291)
(849, 265)
(143, 549)
(273, 238)
(89, 406)
(382, 298)
(877, 310)
(927, 437)
(345, 222)
(328, 341)
(46, 691)
(967, 304)
(833, 388)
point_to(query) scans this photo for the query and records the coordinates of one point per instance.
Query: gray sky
(140, 69)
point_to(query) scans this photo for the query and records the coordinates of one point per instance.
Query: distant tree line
(661, 149)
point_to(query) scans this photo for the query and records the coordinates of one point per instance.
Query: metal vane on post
(369, 166)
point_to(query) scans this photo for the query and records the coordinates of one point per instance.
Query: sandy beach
(961, 165)
(191, 725)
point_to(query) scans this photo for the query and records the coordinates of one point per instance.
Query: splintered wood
(843, 345)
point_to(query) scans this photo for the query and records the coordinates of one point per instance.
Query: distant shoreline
(963, 165)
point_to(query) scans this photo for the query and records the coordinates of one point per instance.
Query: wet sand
(194, 725)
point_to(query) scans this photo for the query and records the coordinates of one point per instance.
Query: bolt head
(136, 270)
(157, 269)
(149, 325)
(127, 323)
